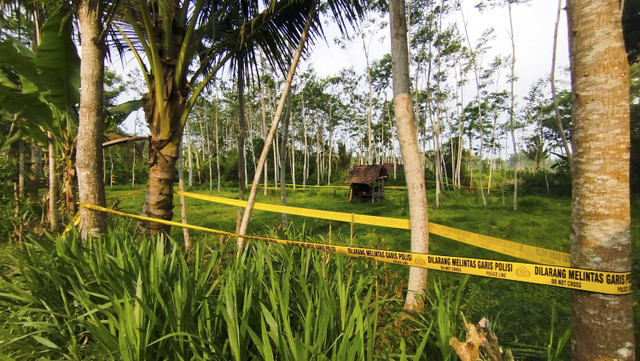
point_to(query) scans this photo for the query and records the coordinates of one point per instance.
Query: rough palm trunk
(89, 145)
(600, 220)
(407, 135)
(163, 151)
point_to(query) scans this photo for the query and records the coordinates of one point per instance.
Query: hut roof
(389, 167)
(366, 174)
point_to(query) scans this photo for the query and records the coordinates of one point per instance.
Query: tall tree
(600, 220)
(92, 15)
(185, 44)
(414, 170)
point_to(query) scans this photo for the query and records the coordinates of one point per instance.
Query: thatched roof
(389, 167)
(366, 174)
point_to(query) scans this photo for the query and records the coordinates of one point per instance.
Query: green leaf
(22, 60)
(45, 342)
(58, 62)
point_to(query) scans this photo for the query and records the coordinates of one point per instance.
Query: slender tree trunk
(554, 96)
(217, 144)
(305, 162)
(189, 155)
(69, 177)
(274, 126)
(330, 146)
(283, 161)
(370, 107)
(408, 137)
(263, 112)
(183, 206)
(22, 175)
(512, 125)
(293, 162)
(207, 132)
(53, 185)
(35, 172)
(242, 136)
(600, 221)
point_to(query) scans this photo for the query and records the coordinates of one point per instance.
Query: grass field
(532, 320)
(523, 312)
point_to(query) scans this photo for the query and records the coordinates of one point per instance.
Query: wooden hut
(367, 182)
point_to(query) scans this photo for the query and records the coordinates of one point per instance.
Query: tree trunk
(217, 145)
(164, 119)
(512, 81)
(565, 143)
(69, 177)
(407, 135)
(53, 185)
(35, 172)
(22, 154)
(370, 106)
(90, 120)
(242, 136)
(189, 155)
(183, 206)
(283, 160)
(263, 113)
(274, 127)
(305, 162)
(600, 220)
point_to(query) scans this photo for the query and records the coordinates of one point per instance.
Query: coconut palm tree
(180, 46)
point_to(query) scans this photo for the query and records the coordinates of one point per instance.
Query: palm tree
(184, 47)
(414, 170)
(600, 220)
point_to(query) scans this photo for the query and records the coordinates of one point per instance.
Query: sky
(533, 28)
(533, 24)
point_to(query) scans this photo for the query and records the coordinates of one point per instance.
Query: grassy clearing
(532, 320)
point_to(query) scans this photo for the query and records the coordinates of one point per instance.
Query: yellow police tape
(615, 283)
(514, 249)
(76, 219)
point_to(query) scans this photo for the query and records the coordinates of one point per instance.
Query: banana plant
(42, 89)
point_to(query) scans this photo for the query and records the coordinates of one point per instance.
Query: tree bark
(600, 220)
(407, 135)
(91, 119)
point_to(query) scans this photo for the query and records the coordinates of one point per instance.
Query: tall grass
(116, 298)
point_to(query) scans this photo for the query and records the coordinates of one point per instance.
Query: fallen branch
(481, 344)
